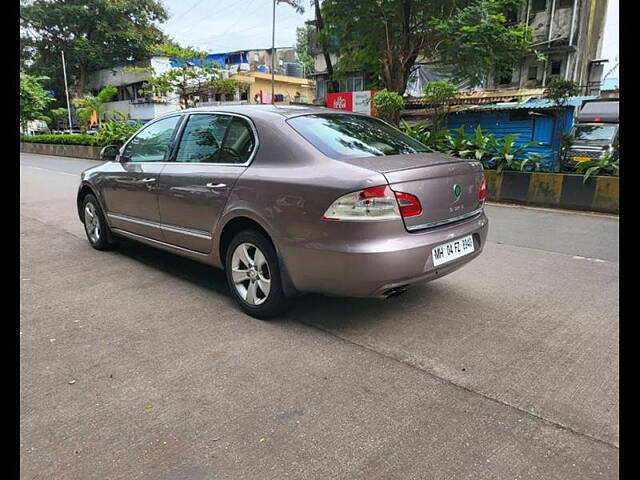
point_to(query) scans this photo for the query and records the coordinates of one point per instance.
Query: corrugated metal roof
(531, 104)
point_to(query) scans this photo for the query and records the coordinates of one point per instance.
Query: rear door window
(344, 136)
(239, 142)
(202, 139)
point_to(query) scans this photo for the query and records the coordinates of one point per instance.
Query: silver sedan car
(289, 200)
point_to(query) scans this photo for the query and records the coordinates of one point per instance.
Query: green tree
(559, 91)
(34, 99)
(303, 51)
(93, 34)
(438, 95)
(324, 40)
(386, 37)
(479, 40)
(192, 77)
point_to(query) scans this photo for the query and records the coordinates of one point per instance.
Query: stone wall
(77, 151)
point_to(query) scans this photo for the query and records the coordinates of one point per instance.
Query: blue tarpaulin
(221, 59)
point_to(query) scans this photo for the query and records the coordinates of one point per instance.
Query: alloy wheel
(250, 273)
(92, 222)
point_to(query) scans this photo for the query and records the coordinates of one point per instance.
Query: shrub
(607, 164)
(114, 133)
(426, 135)
(388, 105)
(64, 139)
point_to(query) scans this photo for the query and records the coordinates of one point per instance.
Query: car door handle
(148, 180)
(216, 185)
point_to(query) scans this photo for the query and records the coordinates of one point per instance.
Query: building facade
(249, 66)
(569, 34)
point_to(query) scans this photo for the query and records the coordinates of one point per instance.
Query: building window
(538, 6)
(532, 73)
(556, 65)
(564, 4)
(321, 88)
(358, 84)
(129, 92)
(351, 84)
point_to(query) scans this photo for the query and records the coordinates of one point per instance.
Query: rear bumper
(373, 267)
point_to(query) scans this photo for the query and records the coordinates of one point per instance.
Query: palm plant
(606, 163)
(482, 144)
(458, 143)
(533, 163)
(426, 135)
(88, 104)
(506, 152)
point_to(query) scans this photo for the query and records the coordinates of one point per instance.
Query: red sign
(352, 101)
(340, 101)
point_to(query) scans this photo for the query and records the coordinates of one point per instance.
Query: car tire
(253, 275)
(95, 226)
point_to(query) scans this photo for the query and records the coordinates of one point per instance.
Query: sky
(226, 25)
(610, 42)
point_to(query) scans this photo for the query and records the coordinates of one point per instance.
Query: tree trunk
(331, 84)
(82, 79)
(395, 72)
(397, 65)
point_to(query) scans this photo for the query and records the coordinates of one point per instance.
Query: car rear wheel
(95, 226)
(253, 275)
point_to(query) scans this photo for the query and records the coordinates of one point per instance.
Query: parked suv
(595, 132)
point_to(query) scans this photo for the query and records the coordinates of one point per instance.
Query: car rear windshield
(594, 132)
(346, 136)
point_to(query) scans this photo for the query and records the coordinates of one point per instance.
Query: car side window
(152, 143)
(239, 142)
(202, 139)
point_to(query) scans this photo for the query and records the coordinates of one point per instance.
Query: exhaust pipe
(395, 292)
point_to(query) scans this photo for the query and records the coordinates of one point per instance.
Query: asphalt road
(137, 364)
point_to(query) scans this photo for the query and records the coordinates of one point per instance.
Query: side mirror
(109, 153)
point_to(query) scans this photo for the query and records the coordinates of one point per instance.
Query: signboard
(359, 102)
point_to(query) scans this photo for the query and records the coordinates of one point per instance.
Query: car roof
(286, 111)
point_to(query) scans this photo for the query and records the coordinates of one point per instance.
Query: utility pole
(66, 91)
(273, 52)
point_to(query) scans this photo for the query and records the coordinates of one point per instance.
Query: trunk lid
(446, 186)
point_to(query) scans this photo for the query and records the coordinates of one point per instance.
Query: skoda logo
(457, 190)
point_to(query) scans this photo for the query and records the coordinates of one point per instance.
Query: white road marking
(595, 260)
(553, 210)
(52, 171)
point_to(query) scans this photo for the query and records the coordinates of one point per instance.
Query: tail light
(482, 190)
(373, 203)
(409, 204)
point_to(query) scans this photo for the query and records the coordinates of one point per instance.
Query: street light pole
(273, 51)
(66, 91)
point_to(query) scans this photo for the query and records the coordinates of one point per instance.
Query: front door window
(152, 143)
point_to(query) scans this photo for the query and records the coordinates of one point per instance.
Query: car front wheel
(95, 226)
(253, 275)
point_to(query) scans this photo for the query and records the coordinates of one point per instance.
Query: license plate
(581, 159)
(452, 250)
